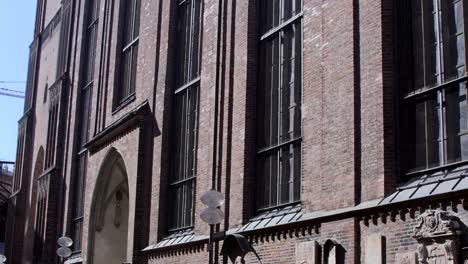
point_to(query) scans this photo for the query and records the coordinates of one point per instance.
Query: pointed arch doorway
(108, 232)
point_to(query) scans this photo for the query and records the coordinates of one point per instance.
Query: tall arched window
(129, 38)
(432, 76)
(183, 174)
(46, 89)
(279, 99)
(83, 121)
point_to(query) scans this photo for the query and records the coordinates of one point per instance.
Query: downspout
(214, 179)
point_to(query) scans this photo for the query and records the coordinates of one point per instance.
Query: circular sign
(64, 252)
(65, 242)
(2, 258)
(212, 216)
(212, 198)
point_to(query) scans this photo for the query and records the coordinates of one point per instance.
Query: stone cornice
(121, 126)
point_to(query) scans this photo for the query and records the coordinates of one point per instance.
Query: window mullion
(281, 88)
(184, 135)
(423, 40)
(442, 127)
(291, 182)
(440, 42)
(195, 140)
(191, 36)
(270, 130)
(187, 133)
(130, 68)
(279, 121)
(183, 205)
(427, 142)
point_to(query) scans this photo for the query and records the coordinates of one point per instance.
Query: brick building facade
(6, 176)
(335, 129)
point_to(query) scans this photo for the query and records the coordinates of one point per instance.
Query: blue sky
(16, 33)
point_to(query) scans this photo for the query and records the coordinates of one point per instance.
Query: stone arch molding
(112, 167)
(110, 196)
(438, 235)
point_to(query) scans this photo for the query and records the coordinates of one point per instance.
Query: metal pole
(212, 256)
(210, 245)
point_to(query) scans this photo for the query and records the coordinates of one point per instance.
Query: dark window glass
(279, 104)
(188, 41)
(182, 181)
(19, 157)
(52, 125)
(31, 77)
(78, 201)
(276, 12)
(83, 122)
(44, 99)
(66, 17)
(434, 101)
(41, 218)
(456, 123)
(129, 49)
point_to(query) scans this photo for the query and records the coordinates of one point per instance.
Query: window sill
(122, 104)
(411, 174)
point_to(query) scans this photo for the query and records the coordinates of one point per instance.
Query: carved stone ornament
(437, 233)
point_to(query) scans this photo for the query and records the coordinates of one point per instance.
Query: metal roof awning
(433, 183)
(176, 238)
(271, 218)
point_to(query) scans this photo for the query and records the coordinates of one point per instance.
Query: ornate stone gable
(438, 235)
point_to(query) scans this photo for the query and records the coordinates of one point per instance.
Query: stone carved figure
(118, 208)
(438, 235)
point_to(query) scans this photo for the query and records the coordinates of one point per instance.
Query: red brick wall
(348, 122)
(376, 98)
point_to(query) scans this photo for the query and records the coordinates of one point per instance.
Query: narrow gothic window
(51, 145)
(279, 98)
(86, 84)
(182, 181)
(44, 99)
(432, 59)
(19, 158)
(130, 30)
